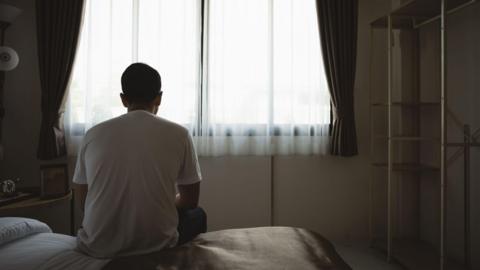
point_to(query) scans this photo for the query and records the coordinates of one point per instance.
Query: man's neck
(142, 108)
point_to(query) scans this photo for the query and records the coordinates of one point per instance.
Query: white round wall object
(8, 59)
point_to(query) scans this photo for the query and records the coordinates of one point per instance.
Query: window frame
(197, 127)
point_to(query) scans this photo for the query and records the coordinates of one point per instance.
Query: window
(244, 76)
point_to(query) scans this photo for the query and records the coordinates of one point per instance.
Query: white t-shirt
(131, 165)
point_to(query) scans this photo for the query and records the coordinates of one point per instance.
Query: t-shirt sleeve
(80, 175)
(190, 169)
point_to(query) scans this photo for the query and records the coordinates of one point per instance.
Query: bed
(30, 244)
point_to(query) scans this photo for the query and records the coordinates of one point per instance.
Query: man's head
(141, 87)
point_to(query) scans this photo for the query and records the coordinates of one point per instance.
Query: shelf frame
(390, 143)
(443, 139)
(412, 16)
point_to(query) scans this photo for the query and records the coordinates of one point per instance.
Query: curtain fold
(337, 20)
(58, 25)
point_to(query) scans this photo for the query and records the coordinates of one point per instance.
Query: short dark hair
(141, 83)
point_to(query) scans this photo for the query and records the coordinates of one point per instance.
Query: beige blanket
(253, 248)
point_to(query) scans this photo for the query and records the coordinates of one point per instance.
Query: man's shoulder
(106, 127)
(171, 126)
(107, 124)
(124, 121)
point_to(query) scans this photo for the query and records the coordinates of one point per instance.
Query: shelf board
(415, 12)
(397, 23)
(426, 8)
(414, 138)
(405, 104)
(415, 254)
(405, 138)
(419, 9)
(407, 167)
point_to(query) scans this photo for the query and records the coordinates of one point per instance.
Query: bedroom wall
(22, 99)
(327, 194)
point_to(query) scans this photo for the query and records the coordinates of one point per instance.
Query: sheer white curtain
(254, 85)
(163, 33)
(267, 91)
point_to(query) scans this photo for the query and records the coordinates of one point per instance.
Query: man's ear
(158, 99)
(124, 100)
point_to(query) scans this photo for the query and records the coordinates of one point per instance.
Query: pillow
(13, 228)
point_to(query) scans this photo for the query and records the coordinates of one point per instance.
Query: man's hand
(80, 197)
(188, 195)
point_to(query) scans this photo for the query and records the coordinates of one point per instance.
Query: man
(127, 172)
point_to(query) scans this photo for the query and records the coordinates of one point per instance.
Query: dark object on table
(53, 181)
(8, 188)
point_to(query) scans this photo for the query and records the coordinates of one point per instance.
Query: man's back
(131, 164)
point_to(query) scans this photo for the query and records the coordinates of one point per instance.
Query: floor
(361, 257)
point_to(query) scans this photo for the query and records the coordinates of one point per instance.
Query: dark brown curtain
(58, 26)
(337, 20)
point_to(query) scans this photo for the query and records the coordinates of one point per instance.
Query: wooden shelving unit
(411, 252)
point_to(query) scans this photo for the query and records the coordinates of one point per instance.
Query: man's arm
(80, 196)
(188, 195)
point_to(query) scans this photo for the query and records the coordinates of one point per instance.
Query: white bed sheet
(46, 251)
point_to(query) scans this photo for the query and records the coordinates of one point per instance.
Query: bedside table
(35, 203)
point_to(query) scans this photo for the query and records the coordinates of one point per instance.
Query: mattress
(253, 248)
(29, 244)
(42, 251)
